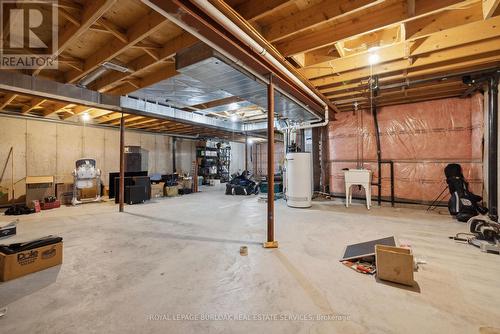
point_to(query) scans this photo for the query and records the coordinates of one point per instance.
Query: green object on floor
(278, 187)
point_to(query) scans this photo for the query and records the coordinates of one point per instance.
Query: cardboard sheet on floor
(365, 249)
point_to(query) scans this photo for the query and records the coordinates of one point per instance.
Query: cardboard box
(30, 261)
(157, 189)
(394, 264)
(38, 187)
(171, 191)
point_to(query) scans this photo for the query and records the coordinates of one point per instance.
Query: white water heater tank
(298, 179)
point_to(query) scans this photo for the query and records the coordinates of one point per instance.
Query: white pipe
(194, 32)
(308, 125)
(214, 46)
(233, 28)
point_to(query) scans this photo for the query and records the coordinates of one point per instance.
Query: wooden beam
(7, 99)
(75, 63)
(489, 7)
(75, 19)
(109, 118)
(321, 13)
(90, 14)
(256, 9)
(34, 104)
(410, 8)
(128, 119)
(77, 110)
(460, 39)
(137, 32)
(469, 64)
(478, 53)
(145, 62)
(358, 86)
(322, 55)
(430, 24)
(142, 122)
(364, 21)
(113, 29)
(157, 76)
(68, 4)
(55, 108)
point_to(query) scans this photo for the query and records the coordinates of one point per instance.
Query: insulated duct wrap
(420, 138)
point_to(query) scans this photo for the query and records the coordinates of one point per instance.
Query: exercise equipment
(484, 232)
(86, 176)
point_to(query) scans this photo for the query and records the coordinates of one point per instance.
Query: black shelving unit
(213, 161)
(224, 162)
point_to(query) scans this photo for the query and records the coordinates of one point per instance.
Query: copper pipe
(270, 160)
(122, 163)
(246, 152)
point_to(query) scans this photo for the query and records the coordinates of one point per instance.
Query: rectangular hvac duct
(210, 67)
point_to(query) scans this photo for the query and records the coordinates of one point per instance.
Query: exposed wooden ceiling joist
(145, 62)
(253, 10)
(91, 12)
(137, 32)
(364, 21)
(311, 17)
(7, 99)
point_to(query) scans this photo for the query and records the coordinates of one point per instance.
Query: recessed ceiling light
(234, 118)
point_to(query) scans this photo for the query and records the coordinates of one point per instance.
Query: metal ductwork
(93, 76)
(28, 85)
(212, 68)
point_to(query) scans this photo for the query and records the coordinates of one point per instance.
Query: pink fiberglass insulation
(420, 138)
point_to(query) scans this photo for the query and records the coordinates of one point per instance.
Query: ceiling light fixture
(373, 58)
(234, 118)
(85, 117)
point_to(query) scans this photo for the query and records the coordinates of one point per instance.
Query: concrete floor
(179, 257)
